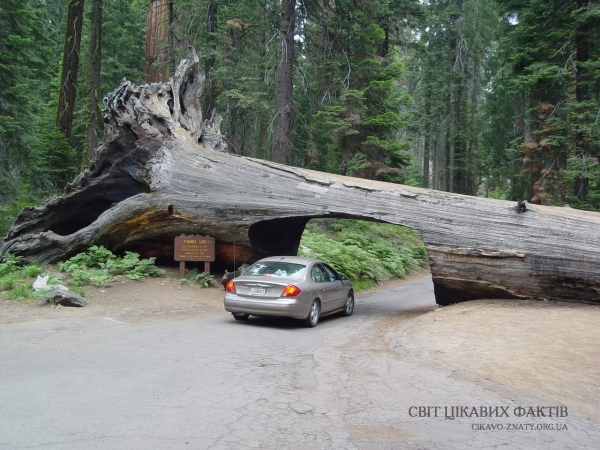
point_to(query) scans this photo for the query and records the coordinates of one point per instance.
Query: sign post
(194, 248)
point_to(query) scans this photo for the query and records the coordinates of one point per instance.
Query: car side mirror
(343, 277)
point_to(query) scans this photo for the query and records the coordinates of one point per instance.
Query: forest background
(496, 98)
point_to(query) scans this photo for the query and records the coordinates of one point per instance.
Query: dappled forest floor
(548, 349)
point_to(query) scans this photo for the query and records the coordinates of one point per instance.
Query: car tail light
(291, 291)
(230, 286)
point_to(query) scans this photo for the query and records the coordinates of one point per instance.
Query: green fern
(17, 279)
(203, 279)
(366, 252)
(99, 266)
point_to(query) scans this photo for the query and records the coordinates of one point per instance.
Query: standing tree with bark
(94, 95)
(211, 28)
(157, 39)
(70, 67)
(284, 108)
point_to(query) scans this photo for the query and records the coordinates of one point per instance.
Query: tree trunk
(447, 147)
(70, 65)
(211, 28)
(436, 167)
(457, 128)
(384, 48)
(94, 115)
(427, 138)
(282, 144)
(157, 35)
(582, 55)
(171, 34)
(458, 144)
(156, 177)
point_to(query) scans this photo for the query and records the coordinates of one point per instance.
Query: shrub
(7, 282)
(99, 266)
(21, 292)
(17, 279)
(32, 270)
(204, 279)
(8, 264)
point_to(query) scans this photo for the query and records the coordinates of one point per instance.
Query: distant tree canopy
(480, 97)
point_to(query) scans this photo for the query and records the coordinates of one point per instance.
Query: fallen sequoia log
(162, 173)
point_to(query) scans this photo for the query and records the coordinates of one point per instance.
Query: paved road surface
(211, 382)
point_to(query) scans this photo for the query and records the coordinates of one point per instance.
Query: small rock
(41, 283)
(437, 318)
(65, 298)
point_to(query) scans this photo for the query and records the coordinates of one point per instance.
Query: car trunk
(261, 287)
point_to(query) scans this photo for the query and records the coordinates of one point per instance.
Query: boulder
(62, 296)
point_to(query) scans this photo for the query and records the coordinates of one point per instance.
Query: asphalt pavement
(209, 382)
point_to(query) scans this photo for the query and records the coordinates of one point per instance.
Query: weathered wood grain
(152, 181)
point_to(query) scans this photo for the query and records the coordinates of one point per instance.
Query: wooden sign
(194, 248)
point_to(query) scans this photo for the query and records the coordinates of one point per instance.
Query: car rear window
(276, 269)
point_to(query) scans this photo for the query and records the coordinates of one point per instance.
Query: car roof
(291, 259)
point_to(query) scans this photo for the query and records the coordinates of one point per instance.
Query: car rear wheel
(349, 306)
(313, 314)
(240, 316)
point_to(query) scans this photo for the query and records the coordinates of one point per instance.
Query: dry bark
(158, 176)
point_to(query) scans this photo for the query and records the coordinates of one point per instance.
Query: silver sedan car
(290, 286)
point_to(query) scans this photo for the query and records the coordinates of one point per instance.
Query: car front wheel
(313, 314)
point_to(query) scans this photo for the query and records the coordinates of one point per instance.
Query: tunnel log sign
(194, 248)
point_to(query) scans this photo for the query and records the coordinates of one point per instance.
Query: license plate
(258, 291)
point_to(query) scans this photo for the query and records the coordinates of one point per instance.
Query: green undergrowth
(99, 267)
(366, 252)
(16, 280)
(202, 279)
